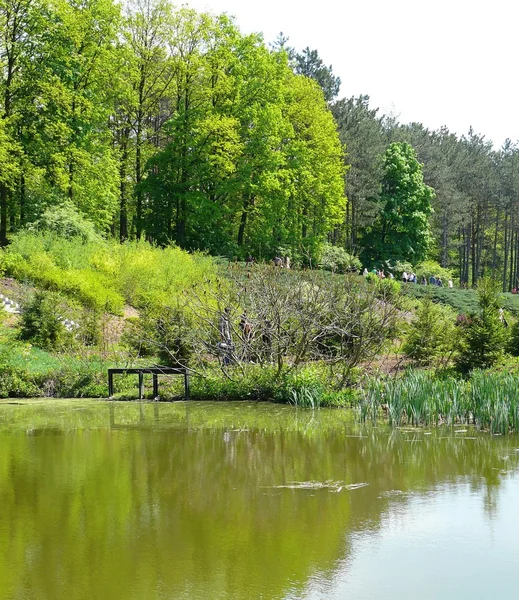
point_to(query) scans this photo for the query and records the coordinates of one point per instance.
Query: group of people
(284, 263)
(277, 261)
(411, 278)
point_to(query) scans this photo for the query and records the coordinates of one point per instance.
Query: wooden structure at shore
(155, 371)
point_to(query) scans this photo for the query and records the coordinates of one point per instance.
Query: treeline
(475, 223)
(171, 125)
(164, 124)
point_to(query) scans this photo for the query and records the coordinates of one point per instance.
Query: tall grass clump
(495, 401)
(417, 398)
(488, 400)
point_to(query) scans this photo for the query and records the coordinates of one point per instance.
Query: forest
(172, 126)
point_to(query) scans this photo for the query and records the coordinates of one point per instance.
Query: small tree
(484, 336)
(336, 259)
(513, 342)
(41, 324)
(286, 319)
(431, 334)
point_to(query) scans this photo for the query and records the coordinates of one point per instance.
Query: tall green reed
(488, 400)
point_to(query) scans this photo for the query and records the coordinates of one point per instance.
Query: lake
(241, 501)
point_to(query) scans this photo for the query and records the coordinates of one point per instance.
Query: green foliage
(41, 323)
(484, 336)
(512, 346)
(78, 379)
(462, 301)
(306, 388)
(399, 267)
(417, 398)
(105, 275)
(336, 259)
(432, 333)
(162, 331)
(15, 381)
(361, 132)
(488, 400)
(66, 221)
(293, 318)
(90, 331)
(428, 268)
(402, 230)
(309, 64)
(385, 289)
(254, 160)
(306, 397)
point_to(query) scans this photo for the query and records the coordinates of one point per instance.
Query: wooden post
(141, 385)
(186, 384)
(110, 383)
(155, 386)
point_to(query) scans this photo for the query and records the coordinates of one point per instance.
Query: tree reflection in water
(181, 500)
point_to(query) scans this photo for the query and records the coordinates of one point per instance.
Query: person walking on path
(225, 335)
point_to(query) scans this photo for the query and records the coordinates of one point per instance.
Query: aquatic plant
(488, 400)
(306, 397)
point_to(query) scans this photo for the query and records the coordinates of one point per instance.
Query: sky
(441, 62)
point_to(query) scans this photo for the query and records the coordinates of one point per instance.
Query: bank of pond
(488, 400)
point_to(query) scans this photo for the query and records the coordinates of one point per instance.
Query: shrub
(336, 259)
(484, 337)
(429, 268)
(103, 275)
(293, 318)
(462, 301)
(399, 267)
(66, 221)
(41, 322)
(513, 341)
(164, 332)
(90, 327)
(77, 381)
(431, 333)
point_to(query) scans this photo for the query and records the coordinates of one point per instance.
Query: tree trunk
(505, 261)
(123, 200)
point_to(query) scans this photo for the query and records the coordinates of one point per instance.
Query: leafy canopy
(402, 230)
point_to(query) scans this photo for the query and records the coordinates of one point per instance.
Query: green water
(201, 500)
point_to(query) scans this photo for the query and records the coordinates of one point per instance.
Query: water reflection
(184, 501)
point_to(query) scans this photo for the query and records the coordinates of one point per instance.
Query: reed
(488, 400)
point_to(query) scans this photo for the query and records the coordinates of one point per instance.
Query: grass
(488, 400)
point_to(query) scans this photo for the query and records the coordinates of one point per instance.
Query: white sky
(440, 62)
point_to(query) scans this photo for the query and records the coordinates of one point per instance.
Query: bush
(483, 337)
(41, 322)
(104, 275)
(336, 259)
(429, 268)
(513, 341)
(164, 332)
(398, 267)
(66, 221)
(77, 381)
(462, 301)
(293, 318)
(385, 289)
(431, 333)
